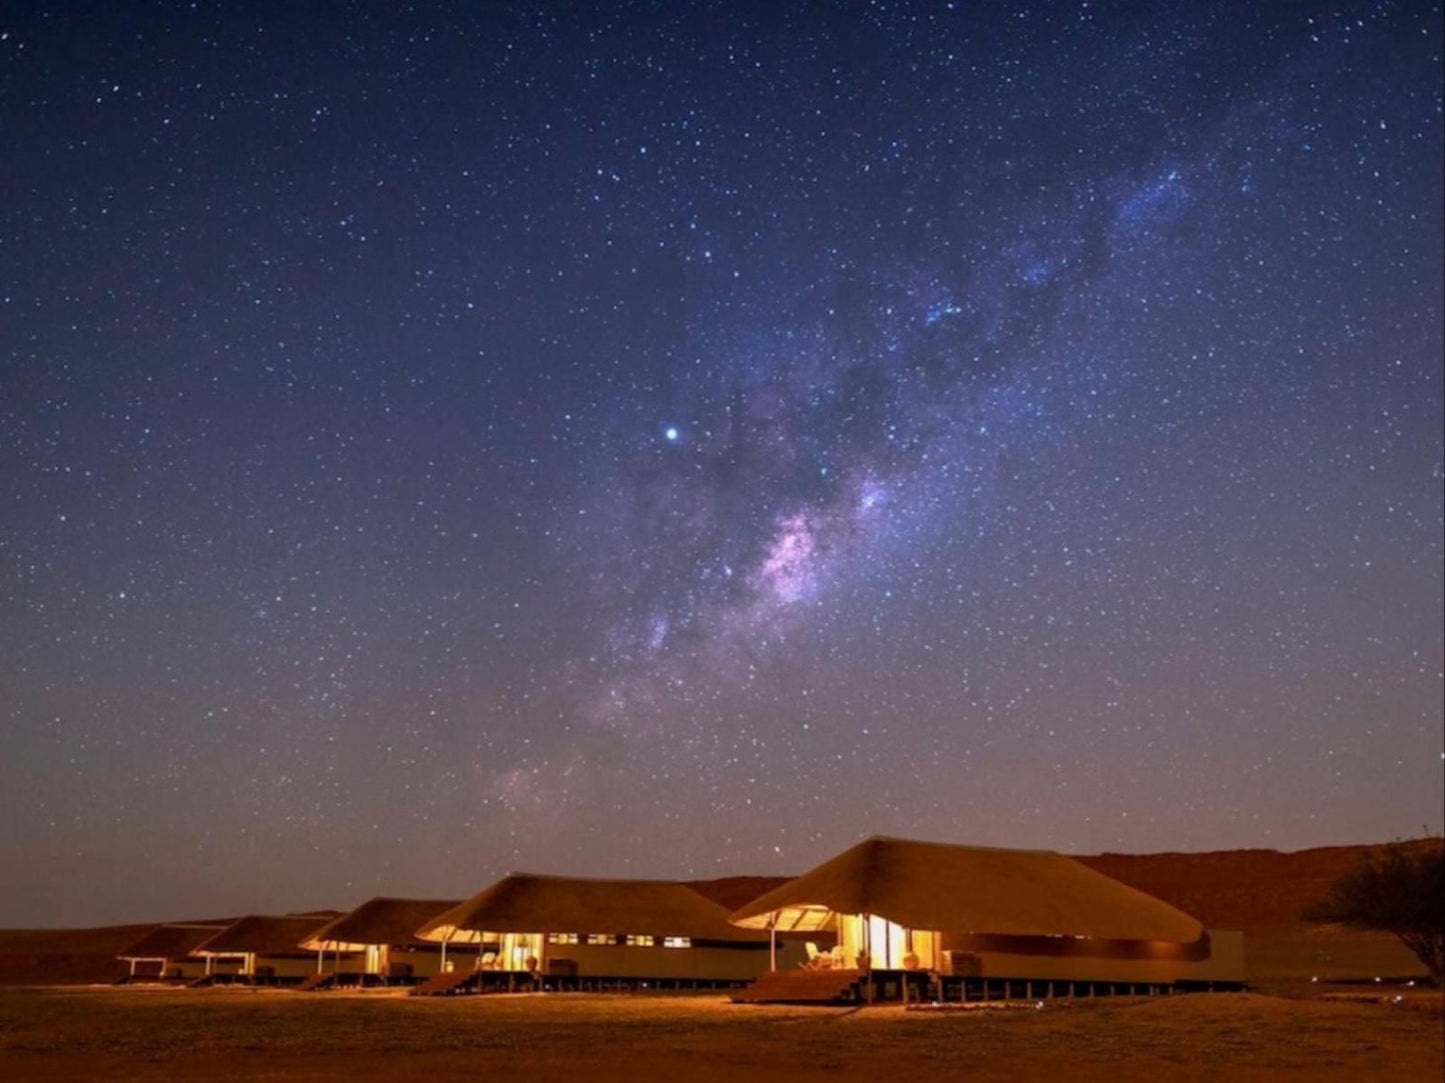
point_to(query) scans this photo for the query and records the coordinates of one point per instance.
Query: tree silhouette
(1398, 888)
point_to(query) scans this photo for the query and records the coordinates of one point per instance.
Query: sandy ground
(79, 1033)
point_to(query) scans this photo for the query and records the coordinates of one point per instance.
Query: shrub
(1399, 888)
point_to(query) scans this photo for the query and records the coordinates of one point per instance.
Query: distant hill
(1259, 891)
(72, 956)
(1263, 892)
(1234, 889)
(735, 892)
(65, 956)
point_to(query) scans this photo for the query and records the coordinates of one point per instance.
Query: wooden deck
(446, 985)
(804, 987)
(502, 981)
(918, 986)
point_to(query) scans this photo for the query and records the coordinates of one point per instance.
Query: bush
(1400, 889)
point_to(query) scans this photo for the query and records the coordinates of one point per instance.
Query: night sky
(679, 439)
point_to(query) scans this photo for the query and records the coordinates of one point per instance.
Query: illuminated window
(561, 938)
(601, 938)
(677, 941)
(640, 941)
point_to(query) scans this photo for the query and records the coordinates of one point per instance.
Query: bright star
(671, 433)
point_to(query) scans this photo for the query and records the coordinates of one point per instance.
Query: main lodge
(886, 919)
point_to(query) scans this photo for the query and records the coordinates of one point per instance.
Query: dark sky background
(682, 439)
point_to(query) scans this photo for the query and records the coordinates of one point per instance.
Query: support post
(773, 941)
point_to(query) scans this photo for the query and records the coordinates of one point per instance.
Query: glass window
(601, 938)
(677, 941)
(561, 938)
(640, 941)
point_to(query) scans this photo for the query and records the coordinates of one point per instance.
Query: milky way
(681, 441)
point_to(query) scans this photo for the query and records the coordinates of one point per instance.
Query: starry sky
(682, 439)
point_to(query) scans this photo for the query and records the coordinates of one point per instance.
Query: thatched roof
(524, 903)
(392, 922)
(974, 889)
(264, 935)
(174, 940)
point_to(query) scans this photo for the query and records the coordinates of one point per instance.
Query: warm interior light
(886, 944)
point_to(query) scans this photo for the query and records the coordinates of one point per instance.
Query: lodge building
(885, 919)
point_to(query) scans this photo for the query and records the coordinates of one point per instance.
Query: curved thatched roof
(265, 935)
(392, 922)
(524, 903)
(927, 885)
(174, 940)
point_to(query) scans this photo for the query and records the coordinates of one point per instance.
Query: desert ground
(138, 1033)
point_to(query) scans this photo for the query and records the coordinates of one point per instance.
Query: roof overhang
(794, 918)
(451, 934)
(334, 945)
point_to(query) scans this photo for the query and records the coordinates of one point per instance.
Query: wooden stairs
(316, 983)
(445, 985)
(803, 987)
